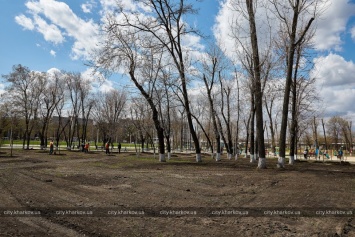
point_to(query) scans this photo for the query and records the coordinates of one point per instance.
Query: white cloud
(62, 21)
(334, 71)
(53, 71)
(106, 86)
(24, 21)
(231, 28)
(92, 76)
(332, 24)
(86, 7)
(352, 31)
(109, 5)
(50, 32)
(334, 74)
(53, 53)
(335, 83)
(223, 22)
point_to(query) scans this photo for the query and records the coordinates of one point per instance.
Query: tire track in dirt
(38, 190)
(41, 225)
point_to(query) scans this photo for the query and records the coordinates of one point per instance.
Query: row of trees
(34, 101)
(148, 44)
(218, 100)
(63, 106)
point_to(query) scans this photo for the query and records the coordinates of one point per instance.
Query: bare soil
(93, 194)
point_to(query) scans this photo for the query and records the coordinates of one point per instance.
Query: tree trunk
(257, 86)
(168, 146)
(290, 59)
(155, 117)
(236, 150)
(293, 128)
(252, 134)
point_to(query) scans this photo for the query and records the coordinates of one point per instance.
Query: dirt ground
(79, 194)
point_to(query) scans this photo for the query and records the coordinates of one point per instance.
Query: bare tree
(325, 136)
(340, 131)
(108, 111)
(166, 26)
(257, 84)
(141, 119)
(271, 97)
(211, 66)
(52, 95)
(140, 58)
(226, 90)
(73, 83)
(61, 123)
(25, 90)
(165, 104)
(87, 103)
(295, 27)
(237, 148)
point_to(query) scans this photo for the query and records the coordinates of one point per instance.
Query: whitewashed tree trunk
(198, 158)
(169, 155)
(252, 158)
(291, 160)
(236, 156)
(218, 156)
(162, 158)
(262, 163)
(229, 156)
(281, 162)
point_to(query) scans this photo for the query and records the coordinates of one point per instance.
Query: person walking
(107, 147)
(51, 146)
(86, 148)
(119, 147)
(340, 154)
(305, 153)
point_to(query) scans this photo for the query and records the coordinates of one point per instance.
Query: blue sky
(45, 34)
(19, 45)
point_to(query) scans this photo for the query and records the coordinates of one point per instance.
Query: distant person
(107, 147)
(305, 153)
(119, 147)
(237, 152)
(86, 148)
(340, 154)
(51, 146)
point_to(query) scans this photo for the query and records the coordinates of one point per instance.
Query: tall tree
(226, 114)
(108, 112)
(73, 83)
(25, 90)
(211, 65)
(295, 31)
(257, 84)
(52, 95)
(166, 25)
(139, 56)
